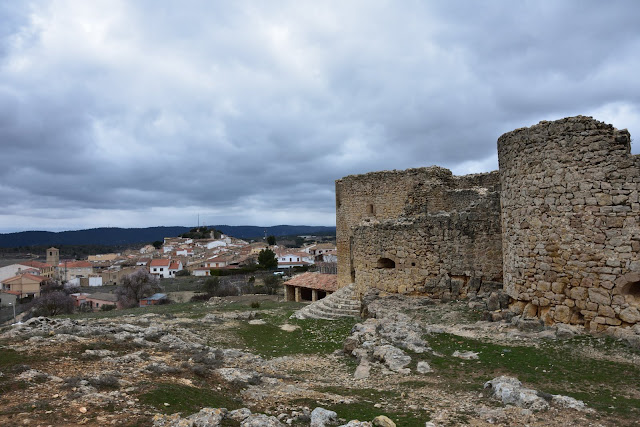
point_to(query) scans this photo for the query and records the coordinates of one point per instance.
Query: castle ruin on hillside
(557, 227)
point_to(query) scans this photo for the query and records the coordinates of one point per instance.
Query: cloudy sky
(144, 113)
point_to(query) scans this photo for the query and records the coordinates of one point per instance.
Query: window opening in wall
(353, 275)
(370, 209)
(413, 264)
(386, 263)
(632, 289)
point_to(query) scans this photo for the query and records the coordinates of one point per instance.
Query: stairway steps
(341, 303)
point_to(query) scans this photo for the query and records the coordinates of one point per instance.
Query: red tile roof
(36, 264)
(323, 282)
(174, 266)
(160, 263)
(76, 264)
(218, 259)
(18, 293)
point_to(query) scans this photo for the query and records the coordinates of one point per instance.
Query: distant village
(176, 256)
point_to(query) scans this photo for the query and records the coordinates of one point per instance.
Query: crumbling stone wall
(570, 221)
(419, 231)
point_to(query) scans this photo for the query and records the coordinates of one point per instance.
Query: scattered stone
(239, 414)
(466, 355)
(287, 327)
(239, 376)
(383, 421)
(362, 371)
(423, 368)
(261, 420)
(257, 322)
(393, 357)
(321, 417)
(511, 392)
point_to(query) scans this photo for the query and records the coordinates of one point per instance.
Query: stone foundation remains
(558, 225)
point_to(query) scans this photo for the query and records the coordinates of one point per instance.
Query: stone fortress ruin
(557, 227)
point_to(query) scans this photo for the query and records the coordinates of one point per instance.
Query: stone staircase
(342, 303)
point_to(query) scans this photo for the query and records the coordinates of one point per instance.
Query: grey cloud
(247, 113)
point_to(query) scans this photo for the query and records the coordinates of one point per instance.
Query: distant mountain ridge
(125, 236)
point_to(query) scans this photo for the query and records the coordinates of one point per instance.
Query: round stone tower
(570, 222)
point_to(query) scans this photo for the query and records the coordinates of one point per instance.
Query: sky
(150, 112)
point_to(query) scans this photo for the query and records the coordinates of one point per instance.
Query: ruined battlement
(558, 225)
(378, 215)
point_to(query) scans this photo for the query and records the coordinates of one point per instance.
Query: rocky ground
(414, 361)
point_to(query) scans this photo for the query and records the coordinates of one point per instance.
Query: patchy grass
(314, 336)
(188, 400)
(364, 409)
(551, 366)
(9, 357)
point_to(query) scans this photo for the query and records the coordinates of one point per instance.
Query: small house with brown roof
(72, 269)
(98, 300)
(216, 262)
(310, 286)
(27, 285)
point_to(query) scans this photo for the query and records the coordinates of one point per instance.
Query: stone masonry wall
(440, 231)
(571, 222)
(445, 255)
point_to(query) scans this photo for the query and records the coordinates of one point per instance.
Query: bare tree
(136, 286)
(53, 303)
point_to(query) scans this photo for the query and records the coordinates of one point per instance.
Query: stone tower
(571, 222)
(53, 257)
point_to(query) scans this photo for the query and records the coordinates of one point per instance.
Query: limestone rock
(511, 392)
(423, 368)
(383, 421)
(630, 315)
(321, 417)
(261, 420)
(362, 371)
(393, 357)
(467, 355)
(239, 376)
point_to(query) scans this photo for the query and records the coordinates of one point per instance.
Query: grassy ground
(555, 367)
(313, 336)
(574, 367)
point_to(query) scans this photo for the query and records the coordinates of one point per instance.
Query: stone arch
(386, 263)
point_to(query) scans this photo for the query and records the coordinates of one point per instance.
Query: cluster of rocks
(510, 391)
(214, 417)
(382, 341)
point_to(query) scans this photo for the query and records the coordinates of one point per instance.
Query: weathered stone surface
(423, 367)
(573, 183)
(630, 315)
(511, 392)
(321, 417)
(393, 222)
(467, 355)
(239, 376)
(393, 357)
(383, 421)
